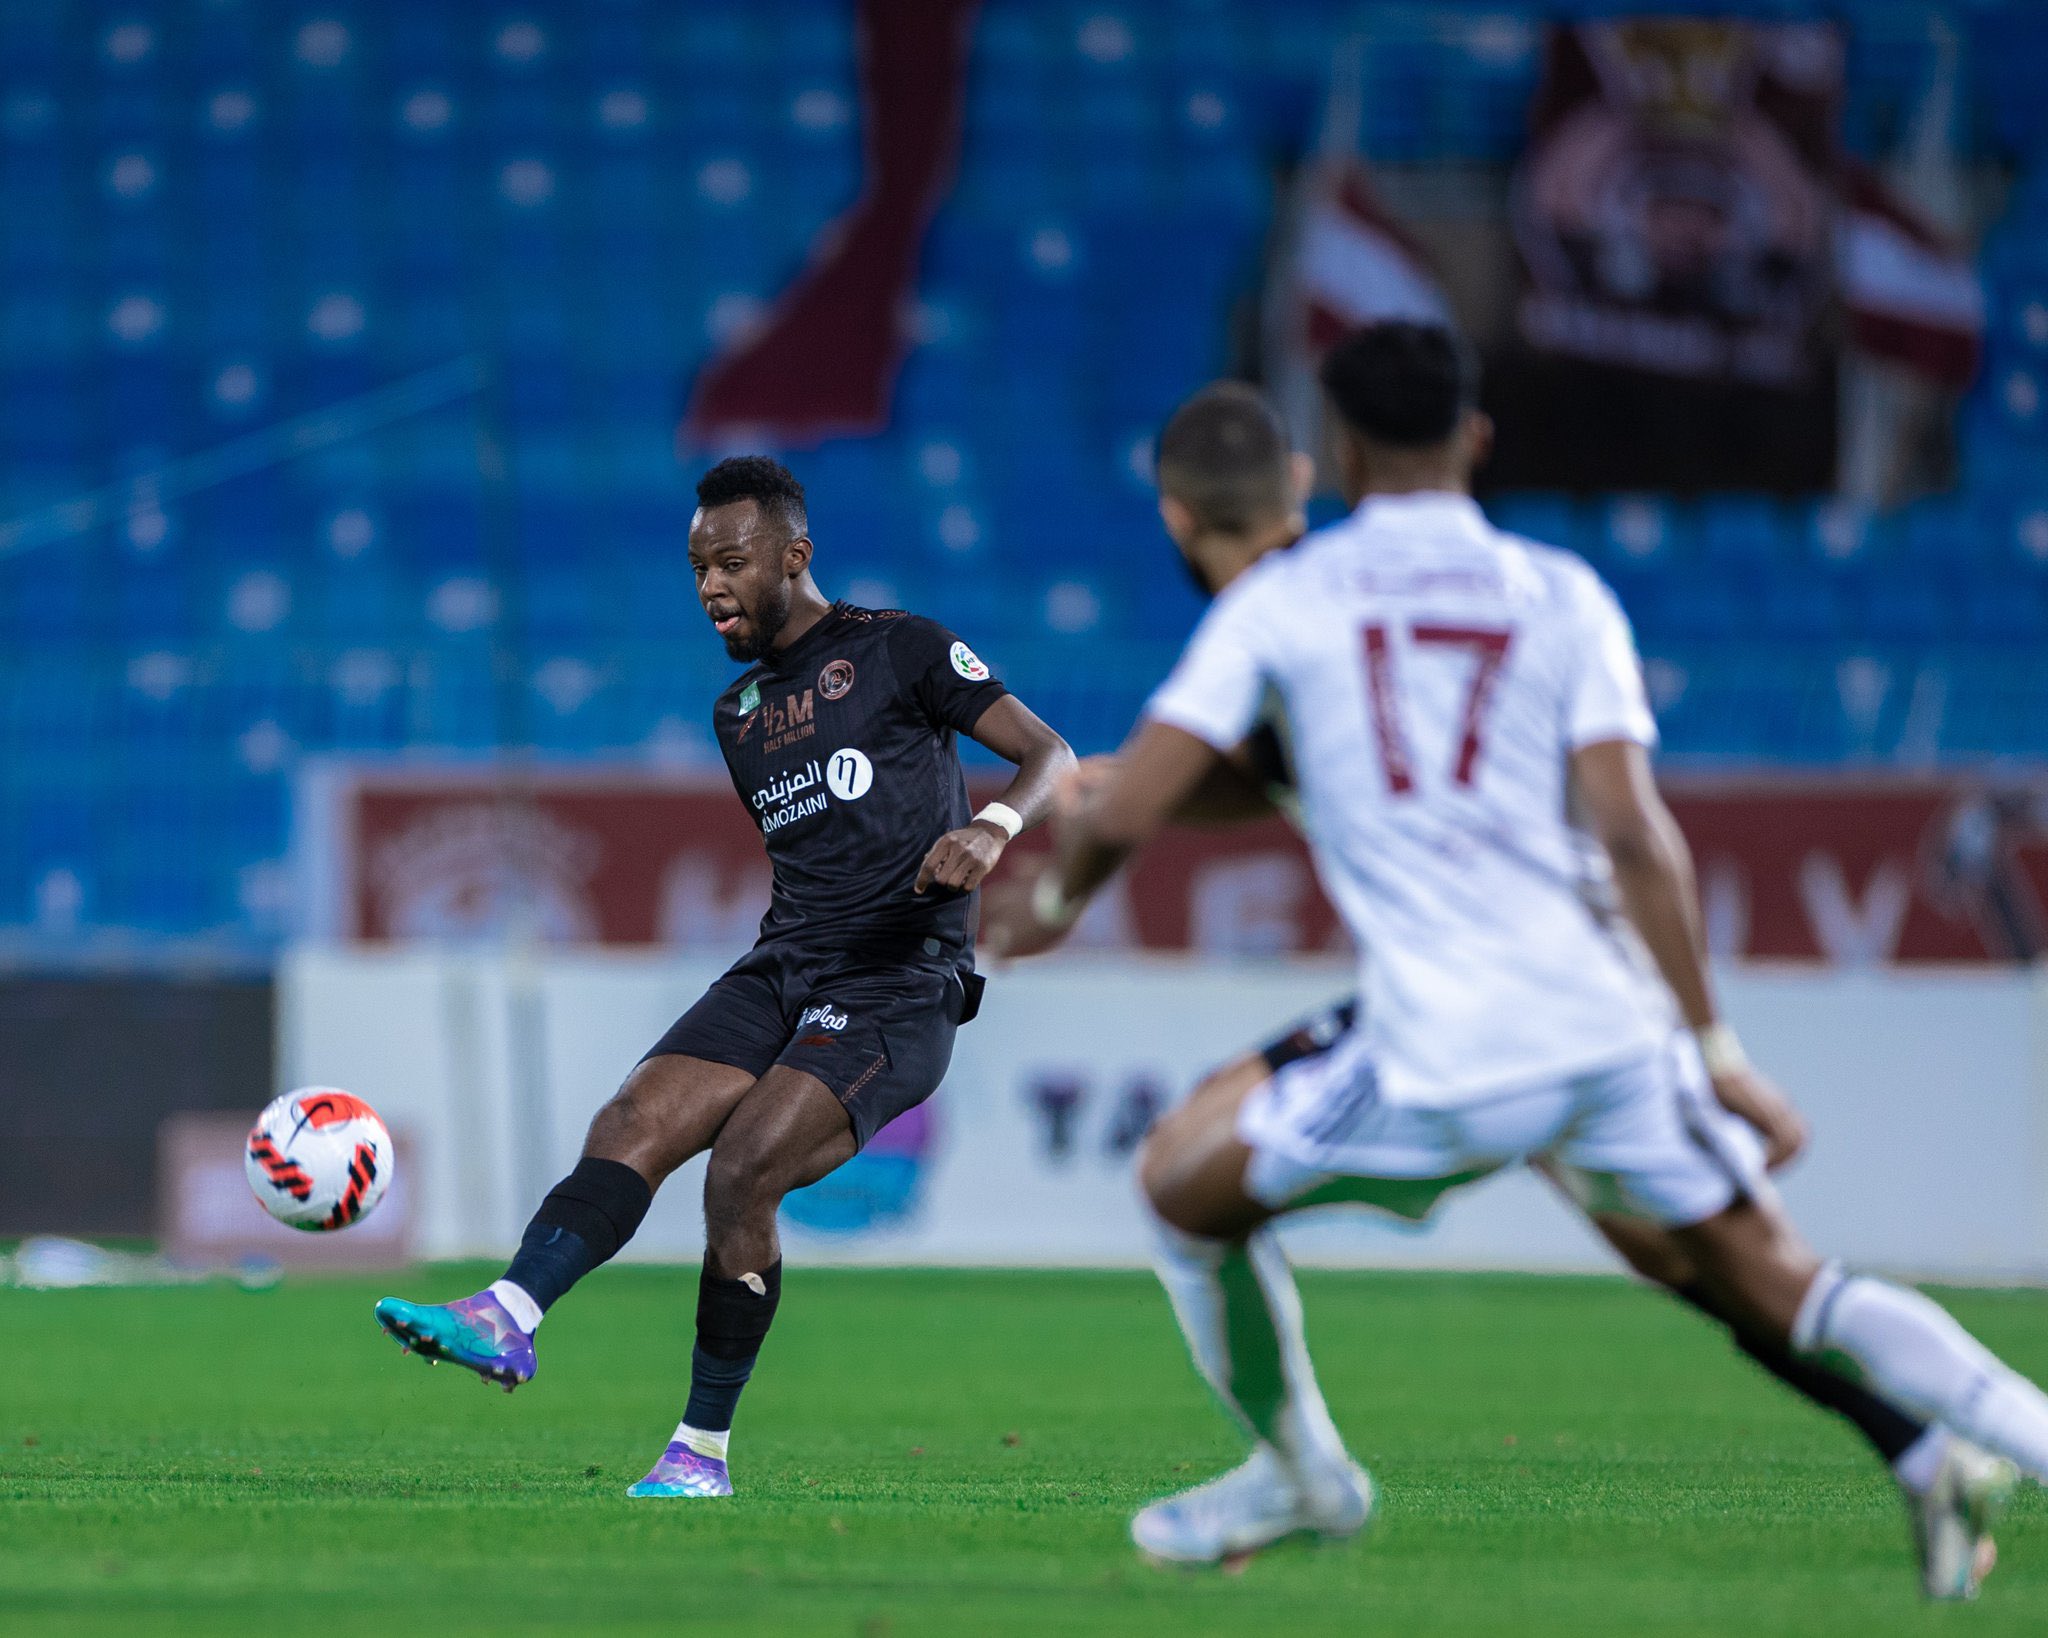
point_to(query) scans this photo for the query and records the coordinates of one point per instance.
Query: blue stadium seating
(223, 220)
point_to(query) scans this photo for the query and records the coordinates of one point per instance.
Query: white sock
(1289, 1413)
(1920, 1462)
(525, 1312)
(1919, 1358)
(703, 1441)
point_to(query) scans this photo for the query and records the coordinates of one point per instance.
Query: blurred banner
(1675, 217)
(1847, 872)
(1025, 1154)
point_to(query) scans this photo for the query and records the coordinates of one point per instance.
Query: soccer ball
(318, 1159)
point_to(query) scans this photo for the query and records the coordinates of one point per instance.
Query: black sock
(1890, 1432)
(582, 1223)
(732, 1323)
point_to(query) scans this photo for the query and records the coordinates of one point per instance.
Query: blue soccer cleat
(476, 1333)
(682, 1472)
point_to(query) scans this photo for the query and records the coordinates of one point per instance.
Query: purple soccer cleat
(476, 1332)
(682, 1472)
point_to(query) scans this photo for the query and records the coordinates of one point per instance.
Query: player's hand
(960, 858)
(1010, 928)
(1746, 1093)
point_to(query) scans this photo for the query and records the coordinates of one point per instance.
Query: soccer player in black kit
(840, 740)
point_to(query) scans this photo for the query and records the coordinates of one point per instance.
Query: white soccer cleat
(1251, 1507)
(1952, 1523)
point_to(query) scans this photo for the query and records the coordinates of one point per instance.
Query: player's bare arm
(1234, 792)
(1653, 872)
(1153, 777)
(962, 858)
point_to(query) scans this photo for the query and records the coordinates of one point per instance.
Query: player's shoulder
(1552, 574)
(876, 622)
(890, 631)
(917, 642)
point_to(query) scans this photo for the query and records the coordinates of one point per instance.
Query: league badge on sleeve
(968, 663)
(750, 698)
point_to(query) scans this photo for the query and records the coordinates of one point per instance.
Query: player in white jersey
(1455, 696)
(1230, 492)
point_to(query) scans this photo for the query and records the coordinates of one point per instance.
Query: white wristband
(1006, 819)
(1721, 1050)
(1050, 904)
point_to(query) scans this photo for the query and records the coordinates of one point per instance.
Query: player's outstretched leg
(668, 1110)
(1235, 1298)
(1912, 1449)
(1954, 1492)
(788, 1132)
(1913, 1353)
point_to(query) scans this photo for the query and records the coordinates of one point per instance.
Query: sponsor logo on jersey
(750, 698)
(823, 1016)
(849, 775)
(785, 724)
(835, 682)
(968, 663)
(789, 797)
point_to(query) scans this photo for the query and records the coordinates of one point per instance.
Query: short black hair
(1223, 456)
(758, 478)
(1402, 383)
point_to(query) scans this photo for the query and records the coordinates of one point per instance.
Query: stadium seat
(246, 219)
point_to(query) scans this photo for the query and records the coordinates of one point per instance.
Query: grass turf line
(1555, 1456)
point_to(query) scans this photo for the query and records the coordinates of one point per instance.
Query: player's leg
(1224, 1278)
(869, 1045)
(788, 1131)
(1654, 1135)
(1910, 1448)
(1904, 1344)
(582, 1223)
(1234, 1296)
(669, 1109)
(1915, 1355)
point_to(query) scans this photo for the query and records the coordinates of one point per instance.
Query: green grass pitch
(939, 1453)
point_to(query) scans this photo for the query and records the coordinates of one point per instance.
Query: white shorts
(1646, 1138)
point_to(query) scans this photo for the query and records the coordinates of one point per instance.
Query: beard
(764, 625)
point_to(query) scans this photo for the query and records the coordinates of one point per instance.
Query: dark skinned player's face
(742, 563)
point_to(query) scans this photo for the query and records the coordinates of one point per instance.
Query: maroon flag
(1354, 263)
(824, 362)
(1911, 294)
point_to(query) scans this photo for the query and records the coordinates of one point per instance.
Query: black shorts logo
(836, 680)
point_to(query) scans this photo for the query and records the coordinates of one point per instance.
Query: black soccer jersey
(841, 747)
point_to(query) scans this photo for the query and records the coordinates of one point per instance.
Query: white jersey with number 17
(1435, 675)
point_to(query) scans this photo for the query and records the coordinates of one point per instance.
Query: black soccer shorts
(1312, 1037)
(879, 1035)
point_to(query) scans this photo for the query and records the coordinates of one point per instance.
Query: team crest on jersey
(750, 698)
(836, 680)
(968, 663)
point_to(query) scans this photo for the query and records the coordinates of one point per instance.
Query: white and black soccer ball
(319, 1158)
